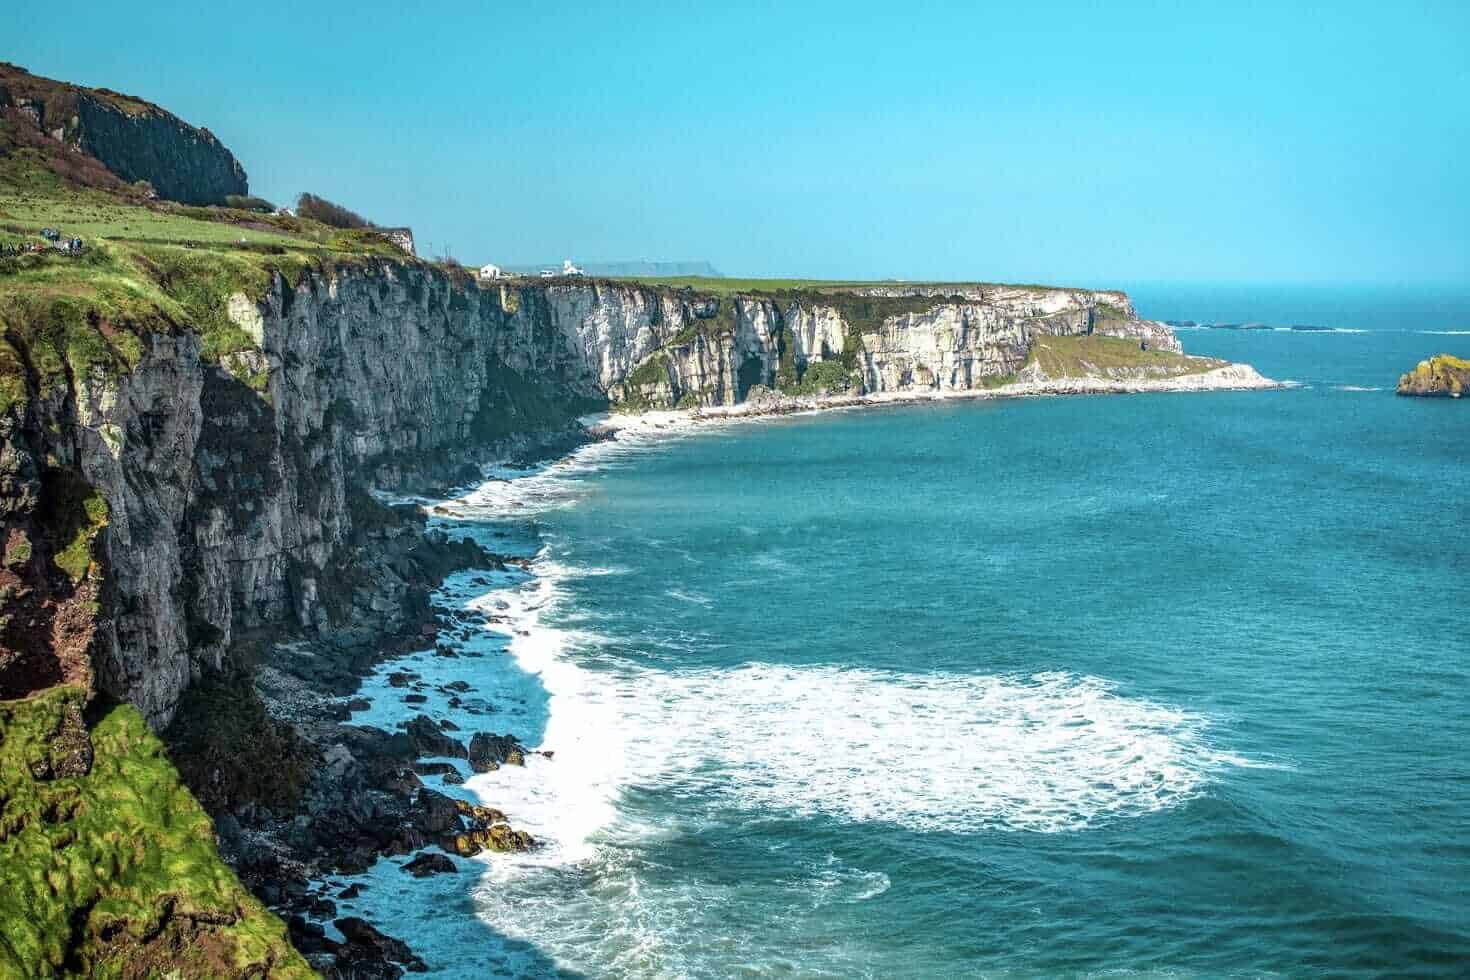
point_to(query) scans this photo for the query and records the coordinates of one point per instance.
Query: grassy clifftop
(1091, 356)
(711, 286)
(111, 871)
(148, 267)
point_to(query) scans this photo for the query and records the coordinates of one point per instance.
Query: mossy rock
(74, 514)
(1441, 376)
(113, 872)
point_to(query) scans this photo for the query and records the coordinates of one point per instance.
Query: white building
(568, 269)
(491, 272)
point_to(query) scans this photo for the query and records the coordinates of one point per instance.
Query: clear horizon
(1142, 143)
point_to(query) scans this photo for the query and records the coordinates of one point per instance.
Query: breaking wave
(641, 755)
(1047, 752)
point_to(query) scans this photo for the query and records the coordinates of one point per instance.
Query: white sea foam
(1446, 333)
(1355, 388)
(1045, 753)
(527, 492)
(1049, 752)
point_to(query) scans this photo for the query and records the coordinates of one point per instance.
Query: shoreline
(1231, 377)
(482, 613)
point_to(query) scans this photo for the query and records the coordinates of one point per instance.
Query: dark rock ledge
(299, 794)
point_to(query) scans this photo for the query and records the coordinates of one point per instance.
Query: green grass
(17, 549)
(1094, 356)
(93, 216)
(712, 286)
(87, 515)
(832, 377)
(148, 268)
(72, 513)
(115, 871)
(33, 197)
(653, 371)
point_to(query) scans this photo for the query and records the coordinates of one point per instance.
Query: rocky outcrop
(181, 162)
(1441, 376)
(134, 139)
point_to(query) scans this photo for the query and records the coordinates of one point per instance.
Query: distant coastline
(1231, 377)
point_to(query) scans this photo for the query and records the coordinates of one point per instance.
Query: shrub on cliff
(328, 213)
(248, 203)
(230, 751)
(831, 377)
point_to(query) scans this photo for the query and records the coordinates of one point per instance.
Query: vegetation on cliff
(147, 267)
(1441, 376)
(1091, 356)
(109, 869)
(329, 213)
(721, 286)
(74, 514)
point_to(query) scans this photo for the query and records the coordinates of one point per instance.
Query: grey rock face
(182, 162)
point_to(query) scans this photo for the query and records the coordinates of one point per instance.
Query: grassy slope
(732, 287)
(108, 873)
(149, 267)
(1097, 356)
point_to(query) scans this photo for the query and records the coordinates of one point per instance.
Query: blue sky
(1044, 141)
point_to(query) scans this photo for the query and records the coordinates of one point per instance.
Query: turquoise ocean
(1153, 685)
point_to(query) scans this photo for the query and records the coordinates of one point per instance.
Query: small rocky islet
(1440, 376)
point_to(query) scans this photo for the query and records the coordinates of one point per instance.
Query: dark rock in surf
(430, 863)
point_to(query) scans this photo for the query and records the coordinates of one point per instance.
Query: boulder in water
(427, 863)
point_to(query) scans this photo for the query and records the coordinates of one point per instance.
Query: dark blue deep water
(1160, 684)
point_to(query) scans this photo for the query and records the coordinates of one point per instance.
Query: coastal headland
(201, 408)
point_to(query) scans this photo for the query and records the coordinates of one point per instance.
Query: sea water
(1171, 684)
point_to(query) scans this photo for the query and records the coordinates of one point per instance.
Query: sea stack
(1441, 376)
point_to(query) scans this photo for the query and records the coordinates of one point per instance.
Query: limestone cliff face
(228, 508)
(230, 505)
(659, 349)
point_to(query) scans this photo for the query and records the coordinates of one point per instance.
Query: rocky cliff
(223, 491)
(134, 139)
(1441, 376)
(654, 348)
